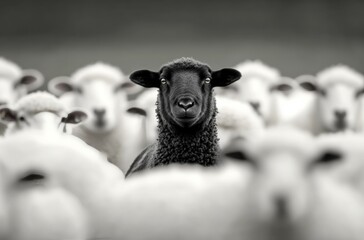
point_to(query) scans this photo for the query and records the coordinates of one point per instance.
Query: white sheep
(255, 86)
(292, 191)
(236, 120)
(338, 90)
(72, 165)
(293, 106)
(39, 110)
(351, 167)
(40, 211)
(15, 83)
(100, 90)
(278, 192)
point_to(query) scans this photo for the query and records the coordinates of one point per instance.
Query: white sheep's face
(283, 172)
(338, 107)
(256, 92)
(102, 102)
(44, 121)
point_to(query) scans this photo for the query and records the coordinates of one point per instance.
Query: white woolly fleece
(236, 115)
(9, 70)
(258, 69)
(340, 74)
(286, 138)
(40, 102)
(98, 70)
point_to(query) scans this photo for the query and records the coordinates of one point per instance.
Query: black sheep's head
(185, 89)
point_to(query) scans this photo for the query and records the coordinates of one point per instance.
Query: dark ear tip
(137, 111)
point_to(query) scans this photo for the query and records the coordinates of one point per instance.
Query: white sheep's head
(256, 83)
(15, 82)
(41, 111)
(338, 91)
(284, 164)
(100, 90)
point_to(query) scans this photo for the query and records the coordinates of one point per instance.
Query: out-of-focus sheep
(70, 164)
(257, 82)
(100, 90)
(338, 90)
(39, 110)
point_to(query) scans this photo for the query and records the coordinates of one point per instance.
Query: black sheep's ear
(7, 115)
(145, 78)
(224, 77)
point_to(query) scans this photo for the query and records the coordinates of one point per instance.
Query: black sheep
(186, 113)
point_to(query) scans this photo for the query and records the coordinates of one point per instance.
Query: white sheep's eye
(163, 81)
(22, 119)
(208, 80)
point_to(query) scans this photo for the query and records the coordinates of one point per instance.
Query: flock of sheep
(183, 152)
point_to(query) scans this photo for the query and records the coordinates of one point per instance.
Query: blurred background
(57, 37)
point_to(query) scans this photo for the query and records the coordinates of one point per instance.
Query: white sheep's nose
(255, 105)
(99, 112)
(340, 114)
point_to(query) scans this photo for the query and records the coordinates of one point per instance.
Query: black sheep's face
(185, 97)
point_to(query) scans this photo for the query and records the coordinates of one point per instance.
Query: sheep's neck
(200, 147)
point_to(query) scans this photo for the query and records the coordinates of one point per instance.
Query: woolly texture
(340, 74)
(9, 70)
(236, 115)
(200, 147)
(98, 70)
(40, 102)
(258, 69)
(185, 63)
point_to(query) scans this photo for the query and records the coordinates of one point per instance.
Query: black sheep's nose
(185, 103)
(99, 112)
(340, 114)
(255, 105)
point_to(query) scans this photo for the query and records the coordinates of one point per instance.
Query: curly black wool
(199, 146)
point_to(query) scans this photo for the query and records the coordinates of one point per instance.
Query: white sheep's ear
(224, 77)
(8, 115)
(60, 85)
(307, 82)
(31, 79)
(137, 111)
(129, 88)
(75, 117)
(285, 85)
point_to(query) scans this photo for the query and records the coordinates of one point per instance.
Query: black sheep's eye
(163, 81)
(208, 80)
